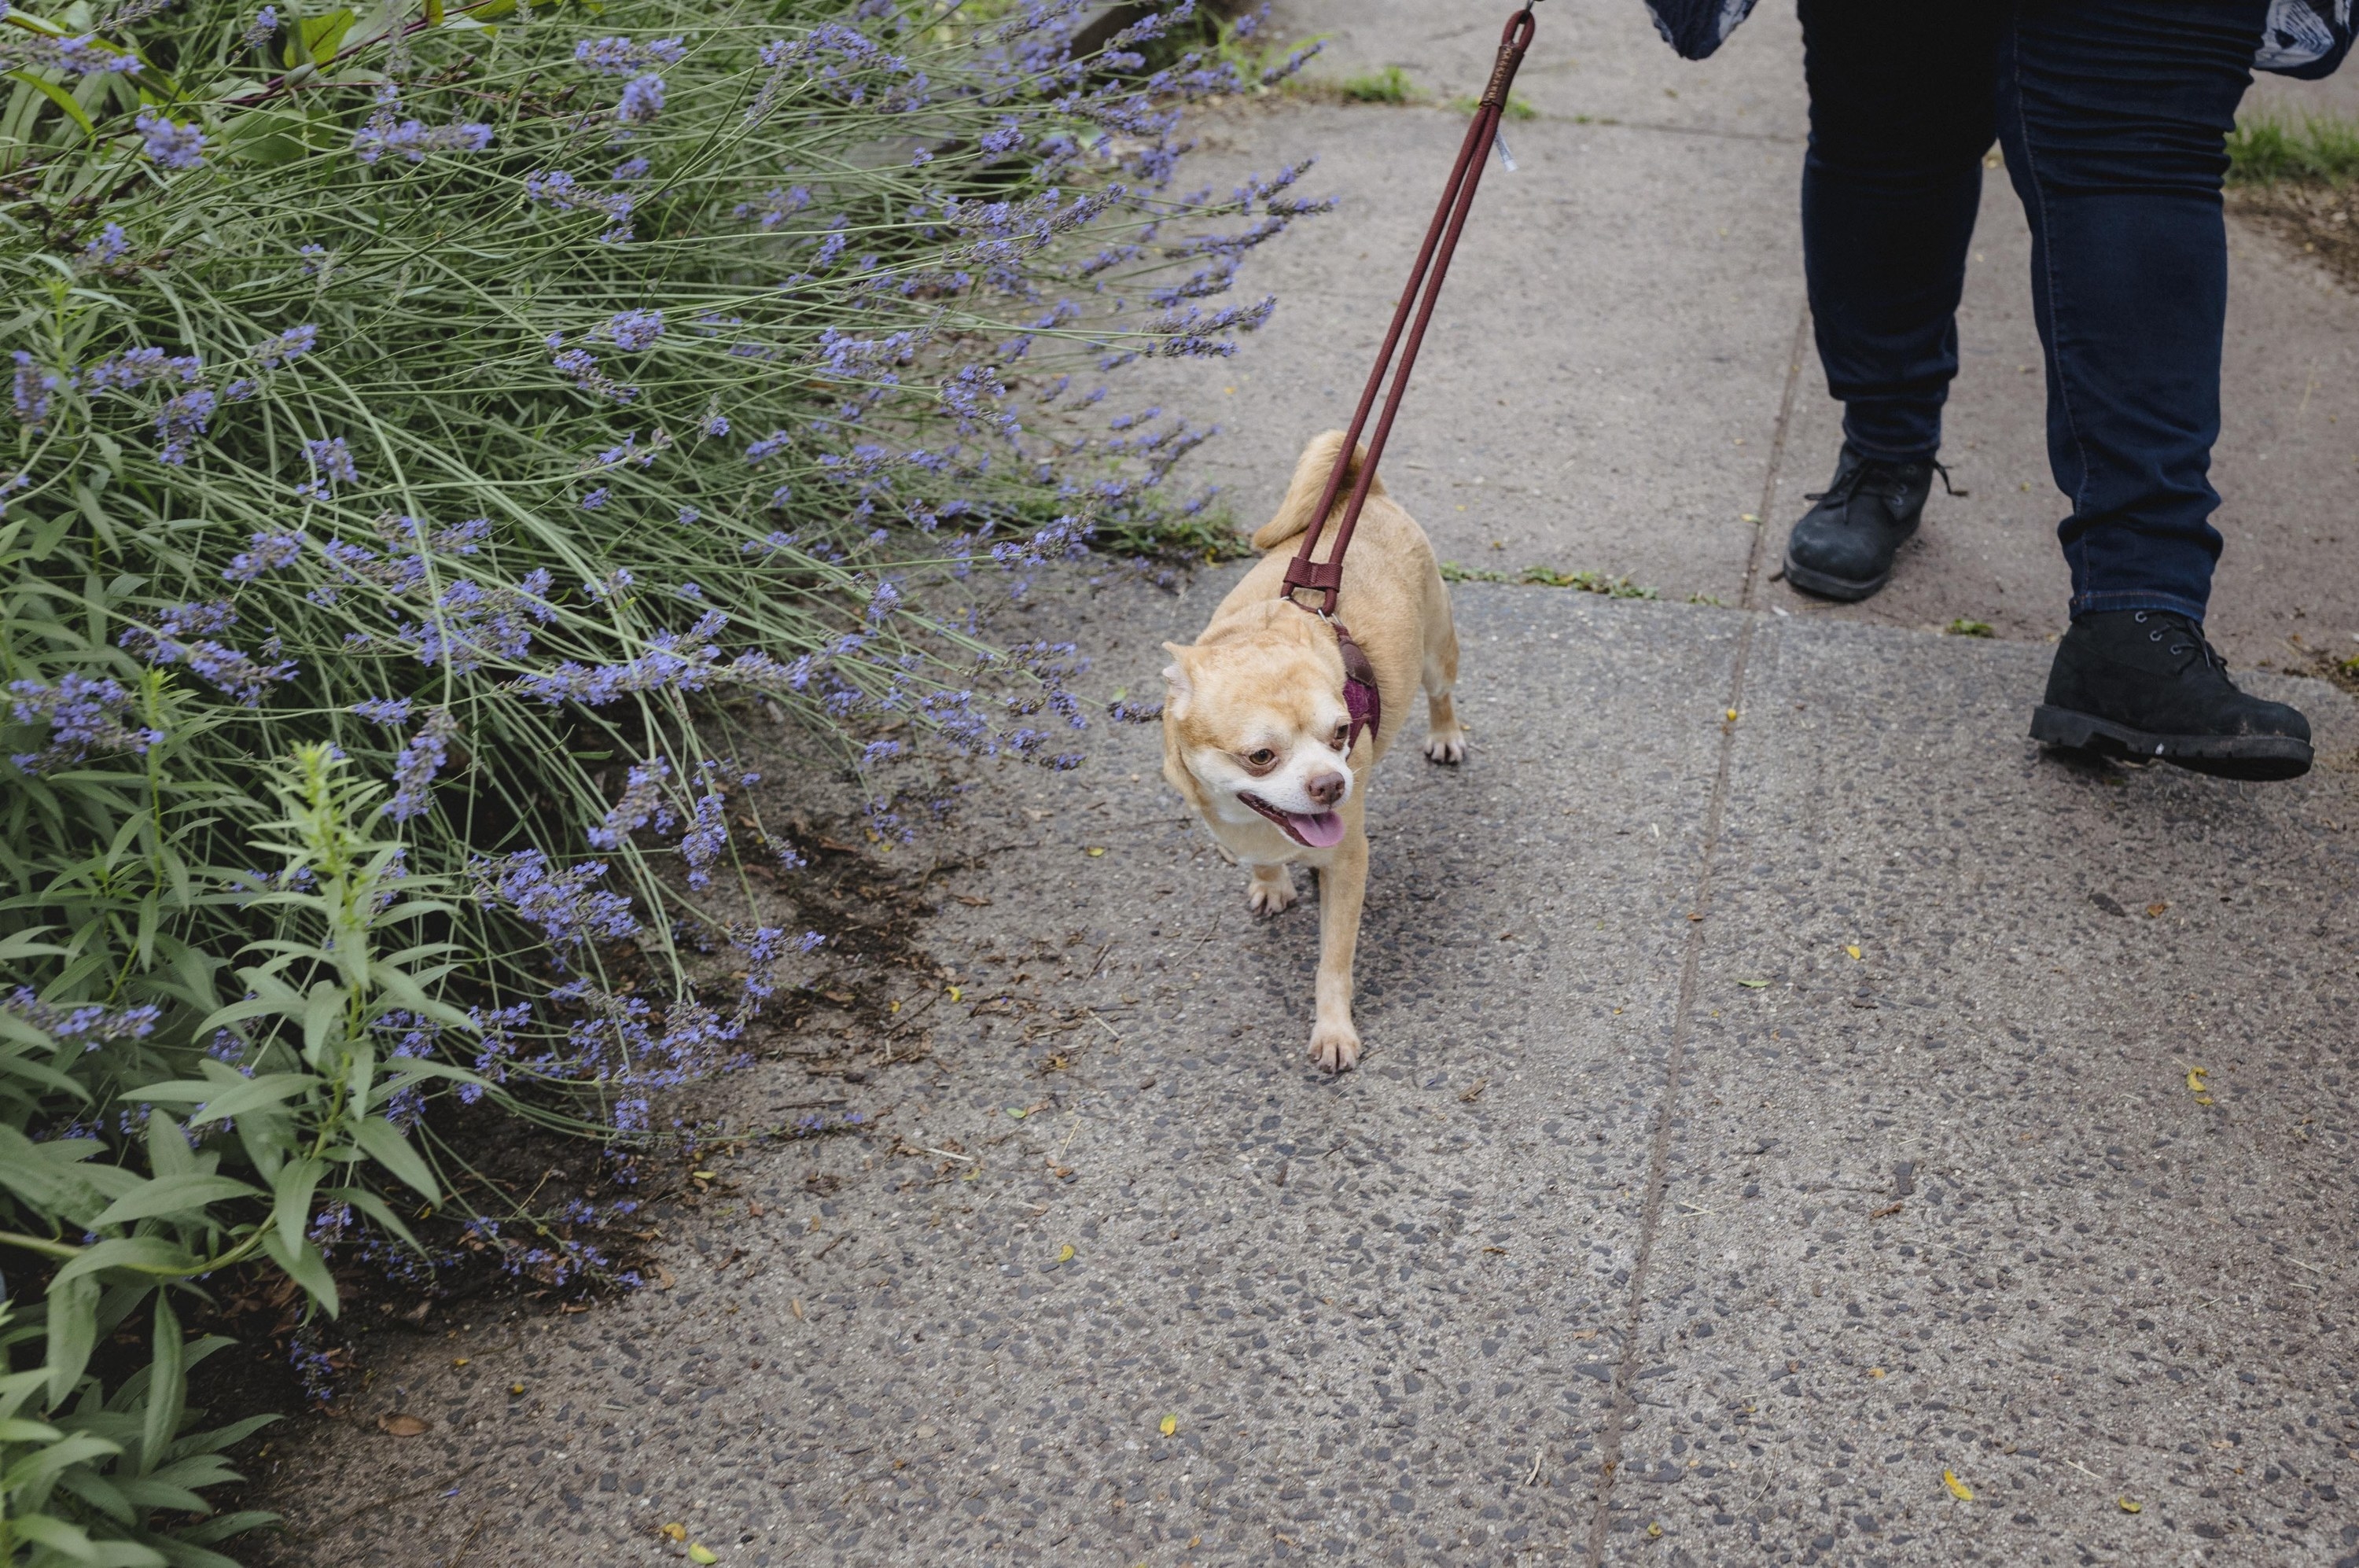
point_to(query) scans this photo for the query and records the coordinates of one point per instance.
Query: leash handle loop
(1414, 312)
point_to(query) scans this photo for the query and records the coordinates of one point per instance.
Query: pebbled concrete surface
(1608, 1255)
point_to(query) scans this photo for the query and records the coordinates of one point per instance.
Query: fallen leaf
(754, 1211)
(1097, 850)
(796, 1307)
(458, 1361)
(1957, 1488)
(1170, 1424)
(702, 1175)
(839, 997)
(956, 994)
(701, 1553)
(1875, 1371)
(1065, 1253)
(2155, 911)
(401, 1426)
(665, 1279)
(1655, 1531)
(1754, 984)
(1731, 715)
(677, 1531)
(1853, 950)
(2195, 1076)
(1886, 1213)
(1016, 1111)
(971, 901)
(515, 1388)
(2129, 1504)
(896, 1006)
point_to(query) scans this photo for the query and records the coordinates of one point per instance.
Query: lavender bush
(433, 437)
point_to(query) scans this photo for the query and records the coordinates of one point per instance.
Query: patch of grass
(1518, 106)
(2265, 150)
(1390, 85)
(1963, 627)
(1549, 577)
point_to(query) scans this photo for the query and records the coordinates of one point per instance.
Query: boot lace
(2186, 634)
(1895, 485)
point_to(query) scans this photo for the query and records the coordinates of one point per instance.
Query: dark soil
(2318, 218)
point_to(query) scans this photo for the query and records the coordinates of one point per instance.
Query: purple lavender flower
(642, 805)
(642, 100)
(413, 140)
(169, 145)
(620, 56)
(628, 169)
(420, 760)
(632, 331)
(262, 29)
(109, 246)
(596, 499)
(707, 837)
(92, 1025)
(566, 905)
(386, 710)
(32, 388)
(331, 464)
(85, 714)
(266, 552)
(139, 366)
(289, 344)
(181, 421)
(770, 446)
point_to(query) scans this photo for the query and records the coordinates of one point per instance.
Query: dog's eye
(1342, 730)
(1262, 758)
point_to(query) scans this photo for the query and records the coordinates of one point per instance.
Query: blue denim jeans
(2112, 117)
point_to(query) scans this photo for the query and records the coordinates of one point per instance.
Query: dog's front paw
(1271, 891)
(1335, 1046)
(1447, 745)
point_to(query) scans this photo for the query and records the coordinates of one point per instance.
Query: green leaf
(167, 1392)
(321, 35)
(60, 97)
(383, 1142)
(290, 1208)
(173, 1195)
(218, 1101)
(303, 1264)
(145, 1254)
(74, 1331)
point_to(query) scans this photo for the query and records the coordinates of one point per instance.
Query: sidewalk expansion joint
(1623, 1397)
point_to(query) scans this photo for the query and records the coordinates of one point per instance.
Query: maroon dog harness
(1325, 578)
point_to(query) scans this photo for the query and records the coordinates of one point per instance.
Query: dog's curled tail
(1310, 473)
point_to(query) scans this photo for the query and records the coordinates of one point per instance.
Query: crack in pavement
(1658, 1153)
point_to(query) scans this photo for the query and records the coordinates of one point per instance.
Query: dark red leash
(1417, 299)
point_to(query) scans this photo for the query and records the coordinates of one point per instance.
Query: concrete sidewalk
(1838, 1133)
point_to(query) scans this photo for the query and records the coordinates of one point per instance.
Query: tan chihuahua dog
(1256, 732)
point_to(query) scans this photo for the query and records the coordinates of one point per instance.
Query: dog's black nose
(1325, 787)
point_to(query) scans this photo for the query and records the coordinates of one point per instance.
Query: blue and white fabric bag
(2307, 38)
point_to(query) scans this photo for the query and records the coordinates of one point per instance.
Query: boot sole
(1827, 587)
(2261, 758)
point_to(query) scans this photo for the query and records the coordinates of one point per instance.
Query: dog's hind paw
(1271, 891)
(1335, 1047)
(1448, 747)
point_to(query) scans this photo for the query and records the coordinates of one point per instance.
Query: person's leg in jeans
(2114, 119)
(1903, 105)
(2114, 116)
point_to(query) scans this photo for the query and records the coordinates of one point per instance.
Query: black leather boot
(2146, 683)
(1843, 548)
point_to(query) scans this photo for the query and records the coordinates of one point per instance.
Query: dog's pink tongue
(1324, 830)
